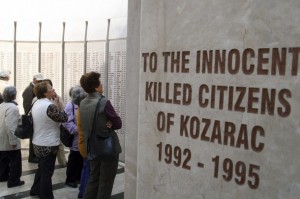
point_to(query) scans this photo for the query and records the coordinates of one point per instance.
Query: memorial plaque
(219, 100)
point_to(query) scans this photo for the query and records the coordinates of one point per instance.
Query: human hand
(109, 124)
(58, 102)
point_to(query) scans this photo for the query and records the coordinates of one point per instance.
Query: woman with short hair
(58, 101)
(75, 160)
(103, 173)
(46, 138)
(10, 145)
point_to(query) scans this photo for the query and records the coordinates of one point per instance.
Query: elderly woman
(75, 159)
(103, 173)
(10, 145)
(58, 101)
(46, 119)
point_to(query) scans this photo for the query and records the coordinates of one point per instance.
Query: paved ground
(58, 179)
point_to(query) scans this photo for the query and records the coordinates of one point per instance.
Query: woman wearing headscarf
(10, 145)
(46, 119)
(103, 173)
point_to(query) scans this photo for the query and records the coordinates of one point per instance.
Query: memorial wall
(216, 111)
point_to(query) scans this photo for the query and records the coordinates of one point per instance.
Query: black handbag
(102, 144)
(65, 136)
(25, 129)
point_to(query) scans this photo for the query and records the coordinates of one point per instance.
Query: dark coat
(28, 96)
(87, 110)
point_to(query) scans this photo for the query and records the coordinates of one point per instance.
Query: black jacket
(28, 96)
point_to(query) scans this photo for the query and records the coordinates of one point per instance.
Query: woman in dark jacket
(102, 172)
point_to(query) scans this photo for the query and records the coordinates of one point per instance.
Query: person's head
(37, 78)
(44, 90)
(77, 94)
(5, 75)
(49, 81)
(9, 94)
(90, 82)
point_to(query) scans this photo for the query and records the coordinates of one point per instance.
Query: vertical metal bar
(63, 60)
(39, 48)
(85, 48)
(15, 54)
(106, 60)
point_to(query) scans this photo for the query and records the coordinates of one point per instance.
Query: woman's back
(9, 116)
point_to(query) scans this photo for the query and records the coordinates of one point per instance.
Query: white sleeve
(11, 120)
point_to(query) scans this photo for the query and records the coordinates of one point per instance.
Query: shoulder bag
(102, 144)
(25, 129)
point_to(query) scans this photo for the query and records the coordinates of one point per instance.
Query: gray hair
(77, 94)
(9, 94)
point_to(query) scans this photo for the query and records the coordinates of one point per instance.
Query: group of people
(96, 176)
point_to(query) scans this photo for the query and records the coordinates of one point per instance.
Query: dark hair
(40, 89)
(49, 81)
(9, 94)
(90, 81)
(70, 91)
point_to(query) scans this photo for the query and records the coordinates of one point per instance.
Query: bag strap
(1, 98)
(93, 127)
(73, 107)
(95, 115)
(30, 108)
